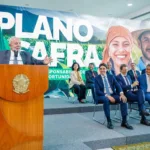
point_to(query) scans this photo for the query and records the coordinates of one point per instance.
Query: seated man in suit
(133, 73)
(90, 75)
(109, 91)
(109, 69)
(132, 95)
(16, 56)
(144, 83)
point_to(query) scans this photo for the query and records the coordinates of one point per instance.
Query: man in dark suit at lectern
(17, 56)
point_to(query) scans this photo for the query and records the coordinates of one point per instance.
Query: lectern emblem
(21, 83)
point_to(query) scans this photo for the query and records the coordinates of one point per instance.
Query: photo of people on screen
(142, 39)
(118, 48)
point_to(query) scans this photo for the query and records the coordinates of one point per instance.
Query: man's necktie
(15, 57)
(93, 74)
(106, 86)
(135, 75)
(149, 79)
(127, 81)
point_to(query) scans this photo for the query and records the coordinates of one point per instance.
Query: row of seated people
(80, 87)
(108, 88)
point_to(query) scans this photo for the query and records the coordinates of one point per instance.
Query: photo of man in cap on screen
(142, 38)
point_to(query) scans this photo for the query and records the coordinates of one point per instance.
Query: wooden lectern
(21, 106)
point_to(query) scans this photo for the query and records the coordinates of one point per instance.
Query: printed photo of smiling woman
(119, 43)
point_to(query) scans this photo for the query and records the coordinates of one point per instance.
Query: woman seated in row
(77, 83)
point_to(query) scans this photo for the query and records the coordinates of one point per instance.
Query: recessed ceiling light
(129, 4)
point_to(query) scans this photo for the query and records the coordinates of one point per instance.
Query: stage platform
(69, 126)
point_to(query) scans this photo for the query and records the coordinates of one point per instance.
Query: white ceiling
(110, 8)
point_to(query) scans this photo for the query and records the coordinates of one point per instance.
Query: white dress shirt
(125, 79)
(12, 57)
(148, 83)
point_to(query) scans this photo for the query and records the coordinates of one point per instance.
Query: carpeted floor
(139, 146)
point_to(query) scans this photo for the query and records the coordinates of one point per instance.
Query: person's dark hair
(74, 64)
(92, 64)
(148, 65)
(122, 66)
(103, 64)
(140, 36)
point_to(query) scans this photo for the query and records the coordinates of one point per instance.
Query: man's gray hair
(148, 65)
(12, 38)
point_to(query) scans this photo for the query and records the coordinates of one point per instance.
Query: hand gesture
(47, 60)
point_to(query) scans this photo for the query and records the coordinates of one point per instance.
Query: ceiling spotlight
(129, 4)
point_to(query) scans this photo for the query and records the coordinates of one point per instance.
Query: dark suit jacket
(26, 58)
(99, 86)
(130, 73)
(143, 82)
(122, 83)
(143, 71)
(89, 77)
